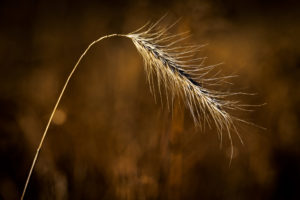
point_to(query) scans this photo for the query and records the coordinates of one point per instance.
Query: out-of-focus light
(59, 117)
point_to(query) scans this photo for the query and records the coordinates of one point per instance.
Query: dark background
(109, 140)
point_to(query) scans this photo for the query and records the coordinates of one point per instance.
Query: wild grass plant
(174, 71)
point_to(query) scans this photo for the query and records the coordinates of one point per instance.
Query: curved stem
(56, 104)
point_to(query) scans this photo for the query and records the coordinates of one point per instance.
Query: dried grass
(181, 74)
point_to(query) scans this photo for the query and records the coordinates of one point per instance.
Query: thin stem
(55, 107)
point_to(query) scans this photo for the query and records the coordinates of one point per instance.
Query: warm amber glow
(59, 117)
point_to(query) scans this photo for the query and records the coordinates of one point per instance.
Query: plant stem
(56, 105)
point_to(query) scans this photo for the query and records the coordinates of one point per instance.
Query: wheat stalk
(180, 73)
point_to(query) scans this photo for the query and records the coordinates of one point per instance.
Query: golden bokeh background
(109, 139)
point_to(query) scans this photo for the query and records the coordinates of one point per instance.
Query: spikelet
(176, 69)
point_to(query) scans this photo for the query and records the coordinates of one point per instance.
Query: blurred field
(109, 140)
